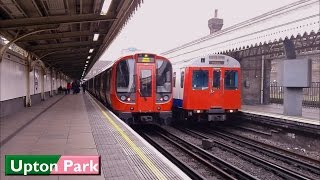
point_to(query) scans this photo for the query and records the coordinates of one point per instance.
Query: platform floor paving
(71, 125)
(10, 124)
(309, 115)
(62, 129)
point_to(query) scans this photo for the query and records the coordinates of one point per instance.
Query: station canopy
(68, 35)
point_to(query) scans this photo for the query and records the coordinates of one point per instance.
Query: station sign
(51, 165)
(145, 58)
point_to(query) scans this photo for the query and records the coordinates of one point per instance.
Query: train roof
(214, 60)
(127, 55)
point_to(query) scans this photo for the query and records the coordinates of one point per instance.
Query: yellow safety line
(134, 147)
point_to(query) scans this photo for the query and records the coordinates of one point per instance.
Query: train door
(231, 90)
(216, 91)
(145, 91)
(200, 91)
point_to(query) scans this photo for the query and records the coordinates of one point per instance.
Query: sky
(160, 25)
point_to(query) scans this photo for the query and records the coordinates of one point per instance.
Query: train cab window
(231, 79)
(182, 79)
(125, 76)
(163, 80)
(216, 79)
(145, 83)
(200, 79)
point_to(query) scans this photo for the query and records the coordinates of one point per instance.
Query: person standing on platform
(68, 87)
(73, 87)
(83, 88)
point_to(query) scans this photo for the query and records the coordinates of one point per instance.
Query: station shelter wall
(13, 82)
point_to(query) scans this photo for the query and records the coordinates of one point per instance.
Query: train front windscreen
(125, 81)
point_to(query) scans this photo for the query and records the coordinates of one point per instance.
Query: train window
(216, 79)
(231, 79)
(97, 81)
(182, 79)
(145, 83)
(108, 77)
(174, 79)
(200, 79)
(125, 76)
(163, 79)
(102, 81)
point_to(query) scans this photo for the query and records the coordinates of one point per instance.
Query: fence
(311, 96)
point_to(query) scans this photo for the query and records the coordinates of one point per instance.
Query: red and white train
(138, 88)
(206, 88)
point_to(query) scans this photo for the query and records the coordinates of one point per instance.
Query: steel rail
(282, 171)
(259, 145)
(216, 162)
(184, 167)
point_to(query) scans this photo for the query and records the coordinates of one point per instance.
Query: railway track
(192, 173)
(268, 150)
(217, 166)
(314, 166)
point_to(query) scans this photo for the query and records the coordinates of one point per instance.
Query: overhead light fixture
(87, 61)
(91, 50)
(95, 37)
(105, 7)
(88, 57)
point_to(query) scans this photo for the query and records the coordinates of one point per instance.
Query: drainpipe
(43, 72)
(262, 80)
(28, 69)
(42, 84)
(51, 82)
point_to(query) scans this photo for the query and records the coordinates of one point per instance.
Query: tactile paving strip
(112, 161)
(117, 157)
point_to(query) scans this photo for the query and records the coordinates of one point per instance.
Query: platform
(309, 115)
(77, 125)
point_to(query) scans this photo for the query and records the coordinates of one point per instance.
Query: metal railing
(311, 96)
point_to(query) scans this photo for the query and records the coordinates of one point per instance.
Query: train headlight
(123, 98)
(129, 99)
(197, 111)
(166, 98)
